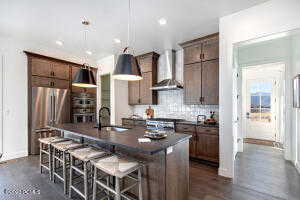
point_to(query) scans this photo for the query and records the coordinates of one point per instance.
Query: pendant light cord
(128, 26)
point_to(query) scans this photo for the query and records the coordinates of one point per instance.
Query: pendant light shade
(84, 78)
(127, 68)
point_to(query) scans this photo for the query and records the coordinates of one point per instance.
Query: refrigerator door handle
(54, 114)
(51, 108)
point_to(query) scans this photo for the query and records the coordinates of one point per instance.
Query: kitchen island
(166, 173)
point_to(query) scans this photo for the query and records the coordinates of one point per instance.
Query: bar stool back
(119, 168)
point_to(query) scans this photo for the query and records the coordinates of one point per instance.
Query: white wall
(119, 91)
(272, 17)
(15, 92)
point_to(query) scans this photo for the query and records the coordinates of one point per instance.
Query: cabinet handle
(53, 74)
(203, 56)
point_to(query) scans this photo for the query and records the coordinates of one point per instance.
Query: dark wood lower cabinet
(205, 141)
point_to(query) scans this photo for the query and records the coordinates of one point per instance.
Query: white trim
(225, 173)
(20, 154)
(297, 165)
(1, 105)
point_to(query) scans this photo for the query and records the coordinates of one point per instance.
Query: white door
(1, 103)
(261, 109)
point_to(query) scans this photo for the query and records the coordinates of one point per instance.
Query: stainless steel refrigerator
(49, 106)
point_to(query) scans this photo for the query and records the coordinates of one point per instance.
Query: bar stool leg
(50, 161)
(71, 176)
(85, 177)
(94, 183)
(64, 163)
(41, 157)
(118, 191)
(140, 184)
(54, 164)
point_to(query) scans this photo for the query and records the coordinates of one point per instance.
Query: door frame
(1, 104)
(284, 127)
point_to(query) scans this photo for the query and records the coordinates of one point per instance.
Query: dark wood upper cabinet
(192, 84)
(201, 70)
(210, 49)
(133, 92)
(210, 82)
(41, 67)
(60, 70)
(139, 92)
(192, 54)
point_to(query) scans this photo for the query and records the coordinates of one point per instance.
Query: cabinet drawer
(140, 123)
(185, 128)
(207, 130)
(61, 84)
(41, 81)
(127, 122)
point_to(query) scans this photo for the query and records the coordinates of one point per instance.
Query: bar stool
(46, 148)
(84, 155)
(119, 168)
(60, 153)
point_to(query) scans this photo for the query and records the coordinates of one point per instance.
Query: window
(260, 101)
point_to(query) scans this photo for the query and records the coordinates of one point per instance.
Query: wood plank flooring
(261, 174)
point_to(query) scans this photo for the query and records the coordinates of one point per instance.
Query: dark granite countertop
(127, 139)
(136, 119)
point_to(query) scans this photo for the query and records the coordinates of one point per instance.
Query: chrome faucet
(99, 119)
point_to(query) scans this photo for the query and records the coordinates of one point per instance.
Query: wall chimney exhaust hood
(169, 83)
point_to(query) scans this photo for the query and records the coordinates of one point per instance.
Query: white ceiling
(45, 21)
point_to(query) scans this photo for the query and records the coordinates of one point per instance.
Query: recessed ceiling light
(117, 40)
(89, 52)
(162, 21)
(60, 43)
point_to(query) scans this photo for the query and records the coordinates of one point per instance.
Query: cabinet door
(133, 92)
(41, 81)
(61, 84)
(210, 82)
(60, 70)
(201, 146)
(210, 49)
(192, 54)
(207, 146)
(145, 63)
(192, 83)
(41, 67)
(145, 92)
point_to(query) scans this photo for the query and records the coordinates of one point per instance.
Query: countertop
(180, 122)
(127, 139)
(198, 124)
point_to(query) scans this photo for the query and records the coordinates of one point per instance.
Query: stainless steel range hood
(169, 83)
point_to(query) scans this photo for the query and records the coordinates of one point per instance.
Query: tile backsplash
(170, 103)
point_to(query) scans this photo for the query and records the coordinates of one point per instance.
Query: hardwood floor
(261, 174)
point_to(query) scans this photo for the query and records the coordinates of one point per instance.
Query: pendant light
(127, 67)
(84, 76)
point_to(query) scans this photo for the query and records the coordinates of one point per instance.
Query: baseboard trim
(11, 156)
(297, 165)
(225, 173)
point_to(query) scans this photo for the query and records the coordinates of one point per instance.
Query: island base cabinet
(165, 175)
